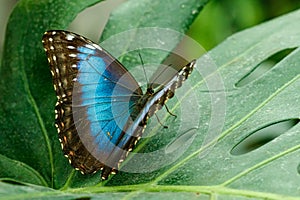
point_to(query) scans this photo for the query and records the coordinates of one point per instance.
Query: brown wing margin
(64, 74)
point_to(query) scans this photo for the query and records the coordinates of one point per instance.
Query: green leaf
(16, 170)
(27, 98)
(9, 191)
(231, 111)
(29, 143)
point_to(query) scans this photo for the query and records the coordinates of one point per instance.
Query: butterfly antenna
(156, 78)
(144, 68)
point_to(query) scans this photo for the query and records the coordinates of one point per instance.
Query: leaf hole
(298, 168)
(263, 136)
(83, 198)
(263, 67)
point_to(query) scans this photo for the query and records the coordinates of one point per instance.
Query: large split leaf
(233, 109)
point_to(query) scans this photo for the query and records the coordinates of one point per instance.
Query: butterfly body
(101, 111)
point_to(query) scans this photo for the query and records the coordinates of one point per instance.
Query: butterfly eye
(150, 91)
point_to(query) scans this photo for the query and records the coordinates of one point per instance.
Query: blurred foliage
(218, 20)
(221, 18)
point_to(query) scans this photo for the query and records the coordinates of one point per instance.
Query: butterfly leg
(170, 111)
(160, 122)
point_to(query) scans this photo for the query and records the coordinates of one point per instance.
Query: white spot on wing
(70, 37)
(73, 55)
(90, 46)
(70, 47)
(97, 47)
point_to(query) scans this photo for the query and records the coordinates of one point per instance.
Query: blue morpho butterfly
(101, 111)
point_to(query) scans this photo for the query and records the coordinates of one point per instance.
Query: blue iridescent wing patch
(101, 110)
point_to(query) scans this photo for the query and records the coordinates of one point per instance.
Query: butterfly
(101, 111)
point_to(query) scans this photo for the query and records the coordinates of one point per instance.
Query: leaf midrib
(208, 190)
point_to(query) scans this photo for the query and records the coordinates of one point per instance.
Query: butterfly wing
(96, 96)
